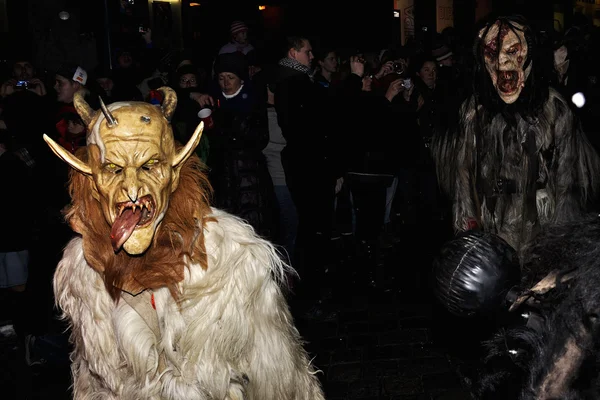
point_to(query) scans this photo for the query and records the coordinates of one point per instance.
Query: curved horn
(67, 157)
(110, 120)
(189, 147)
(84, 110)
(169, 102)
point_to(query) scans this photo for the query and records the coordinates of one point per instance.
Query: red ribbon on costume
(155, 97)
(472, 224)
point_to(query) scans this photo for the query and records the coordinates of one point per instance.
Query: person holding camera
(23, 105)
(23, 78)
(15, 235)
(393, 67)
(20, 94)
(392, 87)
(374, 160)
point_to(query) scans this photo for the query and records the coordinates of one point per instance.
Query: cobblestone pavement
(386, 343)
(382, 348)
(391, 343)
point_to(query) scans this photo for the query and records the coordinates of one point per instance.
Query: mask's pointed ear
(67, 157)
(185, 152)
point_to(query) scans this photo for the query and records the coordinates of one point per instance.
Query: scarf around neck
(295, 65)
(230, 96)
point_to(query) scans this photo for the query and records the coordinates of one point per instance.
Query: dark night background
(33, 25)
(385, 344)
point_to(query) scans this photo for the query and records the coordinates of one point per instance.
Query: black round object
(474, 272)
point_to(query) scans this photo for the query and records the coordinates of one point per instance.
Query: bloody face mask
(506, 55)
(133, 163)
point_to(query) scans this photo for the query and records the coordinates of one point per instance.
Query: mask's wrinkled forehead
(94, 136)
(132, 121)
(503, 36)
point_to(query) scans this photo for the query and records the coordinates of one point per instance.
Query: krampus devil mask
(506, 52)
(133, 163)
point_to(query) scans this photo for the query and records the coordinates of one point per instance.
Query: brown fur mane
(180, 234)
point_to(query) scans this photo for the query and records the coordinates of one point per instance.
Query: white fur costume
(232, 339)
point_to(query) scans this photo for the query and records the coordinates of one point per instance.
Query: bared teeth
(508, 75)
(147, 203)
(141, 203)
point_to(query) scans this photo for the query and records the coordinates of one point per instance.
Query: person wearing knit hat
(238, 27)
(443, 55)
(239, 39)
(234, 63)
(238, 171)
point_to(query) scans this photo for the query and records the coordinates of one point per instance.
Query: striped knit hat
(237, 27)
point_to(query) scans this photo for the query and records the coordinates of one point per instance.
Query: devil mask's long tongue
(123, 227)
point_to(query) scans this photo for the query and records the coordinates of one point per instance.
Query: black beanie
(232, 62)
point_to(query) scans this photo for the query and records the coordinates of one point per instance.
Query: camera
(399, 68)
(141, 29)
(22, 84)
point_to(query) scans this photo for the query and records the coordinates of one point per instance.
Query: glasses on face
(186, 81)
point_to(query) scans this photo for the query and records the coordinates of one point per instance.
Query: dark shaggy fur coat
(558, 359)
(513, 172)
